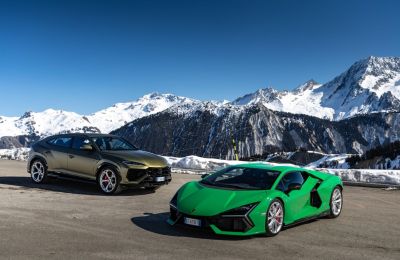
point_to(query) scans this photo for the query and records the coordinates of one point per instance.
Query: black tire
(108, 180)
(269, 230)
(336, 197)
(38, 171)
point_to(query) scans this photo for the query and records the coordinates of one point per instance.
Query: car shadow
(63, 185)
(157, 223)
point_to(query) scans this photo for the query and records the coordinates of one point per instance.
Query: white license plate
(160, 179)
(192, 222)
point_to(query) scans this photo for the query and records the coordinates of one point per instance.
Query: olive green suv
(111, 161)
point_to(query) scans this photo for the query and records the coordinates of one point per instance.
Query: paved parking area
(69, 220)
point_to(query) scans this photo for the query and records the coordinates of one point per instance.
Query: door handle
(71, 156)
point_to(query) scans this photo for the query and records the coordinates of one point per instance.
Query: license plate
(192, 222)
(160, 179)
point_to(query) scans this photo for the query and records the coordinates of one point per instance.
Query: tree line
(388, 150)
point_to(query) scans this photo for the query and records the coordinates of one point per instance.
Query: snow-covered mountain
(208, 130)
(369, 85)
(52, 121)
(302, 100)
(120, 114)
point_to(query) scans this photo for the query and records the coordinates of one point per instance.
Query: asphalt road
(68, 220)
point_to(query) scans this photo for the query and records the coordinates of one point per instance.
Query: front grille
(148, 175)
(237, 224)
(233, 224)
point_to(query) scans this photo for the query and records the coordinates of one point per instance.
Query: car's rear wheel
(38, 171)
(336, 202)
(274, 219)
(109, 181)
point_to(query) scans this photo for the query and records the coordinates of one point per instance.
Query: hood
(148, 159)
(197, 199)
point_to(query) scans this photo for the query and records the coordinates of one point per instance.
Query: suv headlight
(132, 163)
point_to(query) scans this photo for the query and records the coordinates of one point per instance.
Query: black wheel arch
(107, 164)
(283, 205)
(35, 158)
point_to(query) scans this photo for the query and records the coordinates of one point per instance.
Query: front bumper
(222, 225)
(148, 177)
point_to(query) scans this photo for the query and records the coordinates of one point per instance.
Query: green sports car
(256, 198)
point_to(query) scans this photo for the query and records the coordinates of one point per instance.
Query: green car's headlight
(132, 163)
(240, 211)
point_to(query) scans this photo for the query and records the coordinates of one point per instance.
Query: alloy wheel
(275, 217)
(37, 171)
(108, 180)
(336, 202)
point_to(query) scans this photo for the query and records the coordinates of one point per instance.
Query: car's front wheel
(109, 181)
(336, 202)
(274, 219)
(38, 171)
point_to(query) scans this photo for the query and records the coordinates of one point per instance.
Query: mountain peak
(261, 95)
(376, 65)
(308, 85)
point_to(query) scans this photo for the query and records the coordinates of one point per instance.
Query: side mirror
(86, 147)
(204, 175)
(293, 186)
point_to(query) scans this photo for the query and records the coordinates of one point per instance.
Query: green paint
(199, 200)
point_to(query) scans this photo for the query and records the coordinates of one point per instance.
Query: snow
(332, 160)
(52, 121)
(122, 113)
(198, 165)
(8, 127)
(348, 94)
(353, 92)
(19, 154)
(382, 76)
(303, 100)
(370, 176)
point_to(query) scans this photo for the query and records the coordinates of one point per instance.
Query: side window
(100, 143)
(60, 141)
(79, 141)
(291, 178)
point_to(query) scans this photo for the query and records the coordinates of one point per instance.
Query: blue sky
(83, 56)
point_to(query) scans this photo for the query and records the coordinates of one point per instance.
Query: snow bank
(20, 154)
(337, 161)
(198, 165)
(370, 176)
(195, 164)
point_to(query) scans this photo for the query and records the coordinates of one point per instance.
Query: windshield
(109, 143)
(242, 178)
